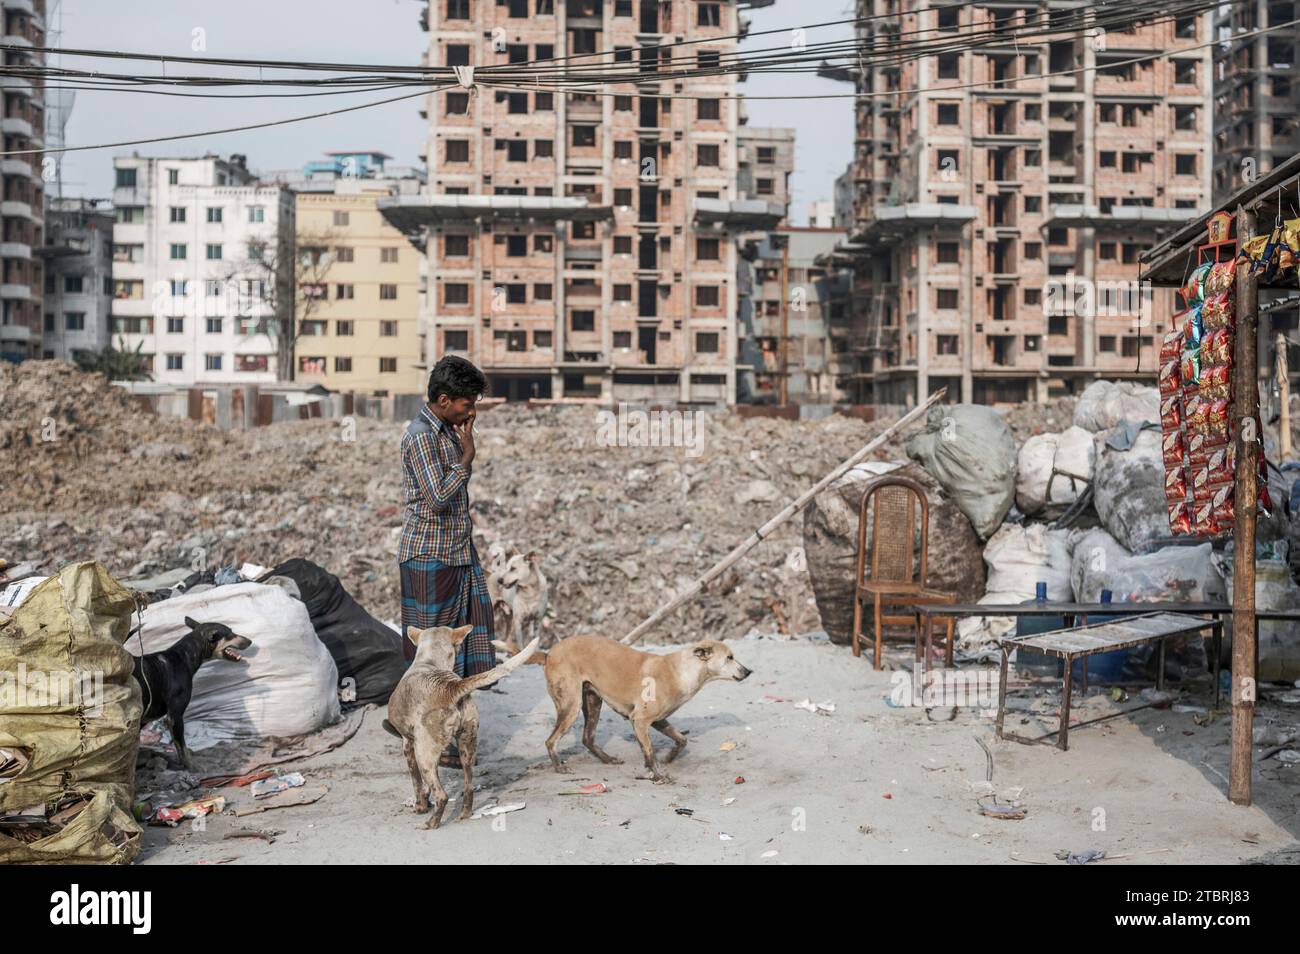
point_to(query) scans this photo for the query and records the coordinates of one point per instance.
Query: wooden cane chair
(898, 572)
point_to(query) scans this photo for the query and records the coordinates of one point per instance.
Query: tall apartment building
(581, 245)
(360, 282)
(78, 257)
(22, 203)
(814, 296)
(1256, 93)
(765, 162)
(203, 269)
(996, 229)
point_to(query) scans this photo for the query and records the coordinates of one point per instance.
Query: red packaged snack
(1169, 378)
(1215, 381)
(1175, 484)
(1180, 519)
(1171, 413)
(1216, 348)
(1221, 278)
(1200, 447)
(1213, 421)
(1203, 520)
(1172, 448)
(1222, 505)
(1208, 481)
(1171, 346)
(1194, 411)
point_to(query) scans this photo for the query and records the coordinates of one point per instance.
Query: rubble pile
(620, 528)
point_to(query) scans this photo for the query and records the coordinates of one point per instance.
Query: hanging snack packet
(1180, 519)
(1169, 379)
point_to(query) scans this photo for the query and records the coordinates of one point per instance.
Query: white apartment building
(78, 256)
(202, 268)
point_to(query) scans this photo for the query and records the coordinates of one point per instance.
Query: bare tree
(290, 280)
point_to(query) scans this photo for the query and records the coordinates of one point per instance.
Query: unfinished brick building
(996, 229)
(579, 244)
(1256, 93)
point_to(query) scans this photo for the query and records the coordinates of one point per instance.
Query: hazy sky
(373, 31)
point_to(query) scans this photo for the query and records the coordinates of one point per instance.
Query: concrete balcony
(17, 167)
(15, 332)
(15, 126)
(16, 84)
(16, 40)
(22, 6)
(15, 250)
(13, 292)
(15, 209)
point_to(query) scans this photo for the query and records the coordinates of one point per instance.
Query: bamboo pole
(1284, 394)
(1245, 408)
(791, 509)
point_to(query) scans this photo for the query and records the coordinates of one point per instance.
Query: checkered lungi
(437, 594)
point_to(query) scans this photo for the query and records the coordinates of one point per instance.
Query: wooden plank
(1109, 636)
(1245, 408)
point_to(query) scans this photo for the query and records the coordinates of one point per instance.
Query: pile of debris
(619, 528)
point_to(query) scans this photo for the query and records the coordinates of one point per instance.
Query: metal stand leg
(929, 646)
(1216, 646)
(1160, 666)
(1002, 690)
(1063, 734)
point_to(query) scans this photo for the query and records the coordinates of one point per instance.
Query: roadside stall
(1215, 482)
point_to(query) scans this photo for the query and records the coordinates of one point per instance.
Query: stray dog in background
(167, 678)
(582, 672)
(432, 706)
(528, 593)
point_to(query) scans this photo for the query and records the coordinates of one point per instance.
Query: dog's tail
(483, 679)
(538, 658)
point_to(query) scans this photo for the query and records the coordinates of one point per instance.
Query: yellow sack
(69, 721)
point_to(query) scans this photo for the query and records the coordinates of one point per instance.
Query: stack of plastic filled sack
(70, 726)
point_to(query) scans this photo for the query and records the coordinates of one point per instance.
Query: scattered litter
(728, 801)
(996, 809)
(772, 853)
(739, 780)
(723, 836)
(266, 835)
(1157, 698)
(1161, 728)
(1290, 756)
(239, 781)
(865, 829)
(1081, 857)
(280, 783)
(887, 795)
(1186, 707)
(768, 699)
(819, 708)
(213, 804)
(1118, 695)
(684, 811)
(595, 788)
(726, 746)
(171, 817)
(498, 810)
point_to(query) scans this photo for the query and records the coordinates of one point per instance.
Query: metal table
(1083, 641)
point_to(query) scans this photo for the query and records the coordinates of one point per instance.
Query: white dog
(526, 591)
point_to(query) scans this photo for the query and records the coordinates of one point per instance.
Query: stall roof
(1166, 264)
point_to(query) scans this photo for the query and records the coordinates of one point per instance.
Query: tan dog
(582, 672)
(432, 706)
(528, 592)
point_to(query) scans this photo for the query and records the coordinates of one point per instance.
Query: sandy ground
(868, 783)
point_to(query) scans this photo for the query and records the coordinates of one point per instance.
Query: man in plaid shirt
(442, 580)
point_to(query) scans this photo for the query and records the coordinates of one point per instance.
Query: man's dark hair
(457, 378)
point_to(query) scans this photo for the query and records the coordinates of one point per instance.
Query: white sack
(1094, 554)
(1018, 558)
(969, 450)
(1103, 404)
(1069, 455)
(287, 683)
(1129, 490)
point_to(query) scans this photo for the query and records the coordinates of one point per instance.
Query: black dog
(167, 678)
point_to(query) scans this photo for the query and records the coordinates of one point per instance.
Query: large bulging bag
(69, 722)
(287, 684)
(969, 450)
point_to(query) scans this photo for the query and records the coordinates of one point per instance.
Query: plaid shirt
(436, 485)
